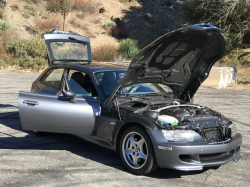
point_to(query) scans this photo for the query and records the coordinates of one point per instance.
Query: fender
(148, 124)
(134, 118)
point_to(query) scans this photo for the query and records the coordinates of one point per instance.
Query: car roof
(98, 66)
(106, 69)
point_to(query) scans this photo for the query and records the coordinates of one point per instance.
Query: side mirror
(70, 95)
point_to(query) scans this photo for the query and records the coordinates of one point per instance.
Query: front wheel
(137, 151)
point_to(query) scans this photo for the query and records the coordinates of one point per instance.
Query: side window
(76, 88)
(82, 81)
(53, 78)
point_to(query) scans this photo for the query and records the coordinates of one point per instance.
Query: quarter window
(54, 78)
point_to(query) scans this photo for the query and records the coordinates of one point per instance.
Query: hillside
(107, 22)
(145, 19)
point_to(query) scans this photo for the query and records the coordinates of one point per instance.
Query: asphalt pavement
(66, 160)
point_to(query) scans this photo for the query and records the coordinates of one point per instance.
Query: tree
(233, 16)
(65, 8)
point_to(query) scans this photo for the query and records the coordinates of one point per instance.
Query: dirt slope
(146, 19)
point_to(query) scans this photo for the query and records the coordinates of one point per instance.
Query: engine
(211, 125)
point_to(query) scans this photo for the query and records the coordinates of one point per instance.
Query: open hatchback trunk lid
(181, 59)
(67, 48)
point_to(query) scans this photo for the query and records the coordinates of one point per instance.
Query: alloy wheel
(135, 150)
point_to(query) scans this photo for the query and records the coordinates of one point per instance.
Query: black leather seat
(108, 82)
(79, 78)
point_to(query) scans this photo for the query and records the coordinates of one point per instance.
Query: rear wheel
(137, 151)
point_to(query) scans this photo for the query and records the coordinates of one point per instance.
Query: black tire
(129, 155)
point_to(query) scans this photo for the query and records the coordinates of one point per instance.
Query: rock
(14, 8)
(30, 30)
(3, 3)
(25, 16)
(101, 10)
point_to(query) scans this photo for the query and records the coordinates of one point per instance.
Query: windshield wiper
(130, 95)
(71, 38)
(143, 95)
(152, 94)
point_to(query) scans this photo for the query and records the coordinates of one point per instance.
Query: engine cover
(204, 122)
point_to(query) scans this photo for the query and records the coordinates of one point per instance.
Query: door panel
(49, 113)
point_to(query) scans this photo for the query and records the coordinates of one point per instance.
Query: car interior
(84, 81)
(108, 80)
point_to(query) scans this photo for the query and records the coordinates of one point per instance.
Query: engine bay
(173, 114)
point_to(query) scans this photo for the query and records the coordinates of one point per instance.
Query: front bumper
(193, 156)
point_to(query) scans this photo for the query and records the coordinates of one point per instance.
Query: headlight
(233, 129)
(182, 136)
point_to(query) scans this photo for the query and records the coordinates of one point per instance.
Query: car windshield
(69, 51)
(108, 80)
(147, 89)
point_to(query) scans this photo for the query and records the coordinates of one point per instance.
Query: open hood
(67, 48)
(181, 59)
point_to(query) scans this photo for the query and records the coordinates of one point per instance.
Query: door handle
(30, 102)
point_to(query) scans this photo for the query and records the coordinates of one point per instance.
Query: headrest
(108, 77)
(78, 77)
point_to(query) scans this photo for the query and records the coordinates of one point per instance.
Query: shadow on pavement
(13, 137)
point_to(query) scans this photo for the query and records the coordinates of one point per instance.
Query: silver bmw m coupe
(143, 111)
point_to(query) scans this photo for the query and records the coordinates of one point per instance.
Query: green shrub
(4, 26)
(232, 41)
(3, 60)
(235, 58)
(33, 47)
(30, 62)
(109, 24)
(28, 53)
(231, 16)
(128, 48)
(104, 53)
